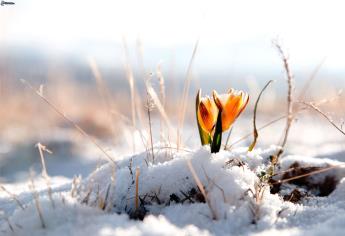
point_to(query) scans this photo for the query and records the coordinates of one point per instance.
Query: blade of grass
(77, 127)
(255, 131)
(185, 95)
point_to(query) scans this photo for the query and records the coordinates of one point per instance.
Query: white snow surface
(230, 189)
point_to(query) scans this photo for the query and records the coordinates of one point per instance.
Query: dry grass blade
(310, 80)
(260, 128)
(228, 138)
(315, 108)
(104, 92)
(130, 78)
(323, 101)
(5, 217)
(45, 175)
(13, 196)
(159, 105)
(137, 173)
(255, 132)
(308, 174)
(77, 127)
(36, 198)
(289, 118)
(162, 97)
(202, 189)
(149, 107)
(185, 95)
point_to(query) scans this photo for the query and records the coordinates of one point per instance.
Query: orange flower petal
(207, 114)
(231, 105)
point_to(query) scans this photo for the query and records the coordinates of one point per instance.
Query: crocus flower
(230, 105)
(207, 112)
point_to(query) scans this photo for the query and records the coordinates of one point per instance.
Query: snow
(230, 178)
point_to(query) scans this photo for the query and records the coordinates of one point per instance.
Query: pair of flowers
(216, 115)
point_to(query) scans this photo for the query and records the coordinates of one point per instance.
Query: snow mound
(171, 203)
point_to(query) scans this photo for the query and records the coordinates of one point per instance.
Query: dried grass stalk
(130, 78)
(162, 97)
(104, 93)
(255, 131)
(13, 196)
(289, 97)
(137, 173)
(159, 105)
(309, 174)
(45, 175)
(64, 116)
(202, 189)
(323, 101)
(315, 108)
(184, 100)
(149, 107)
(36, 198)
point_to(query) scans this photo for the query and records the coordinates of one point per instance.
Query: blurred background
(79, 53)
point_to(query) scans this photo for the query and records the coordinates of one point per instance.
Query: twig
(315, 108)
(77, 127)
(255, 132)
(45, 175)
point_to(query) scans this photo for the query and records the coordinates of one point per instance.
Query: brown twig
(255, 131)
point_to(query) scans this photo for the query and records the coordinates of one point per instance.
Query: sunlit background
(53, 43)
(234, 35)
